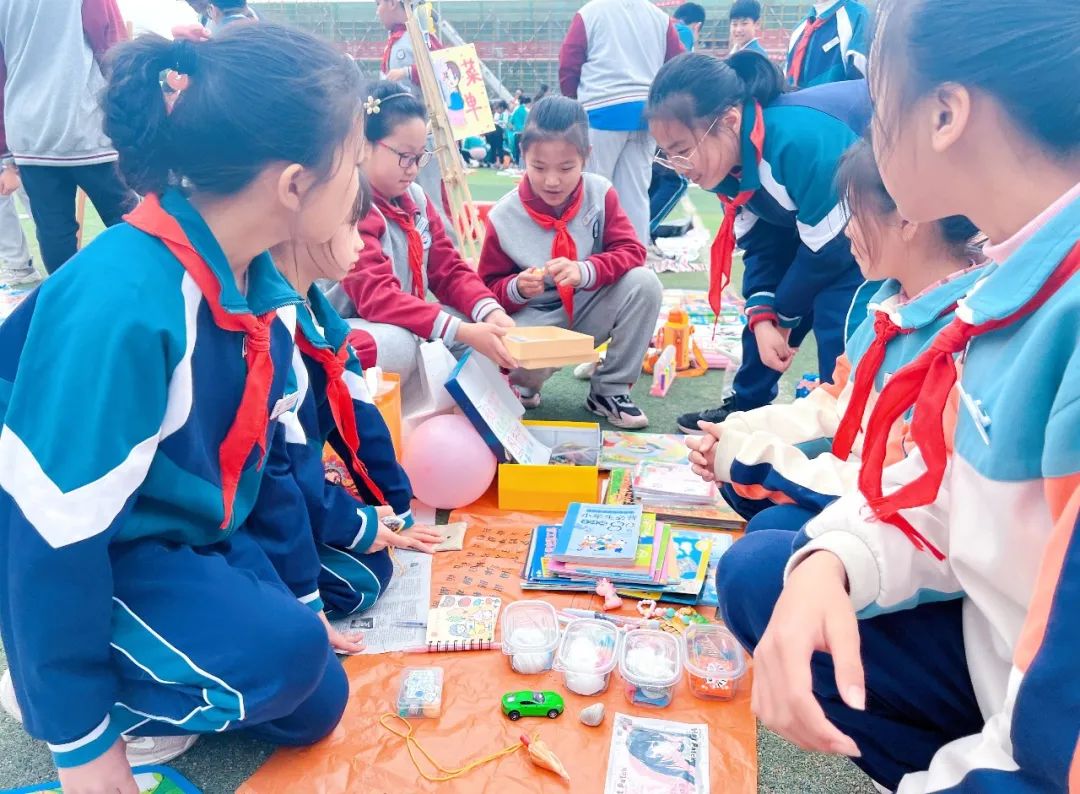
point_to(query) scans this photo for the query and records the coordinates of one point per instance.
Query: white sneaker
(585, 371)
(25, 276)
(141, 750)
(150, 750)
(7, 697)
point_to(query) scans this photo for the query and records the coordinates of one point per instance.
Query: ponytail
(693, 87)
(255, 94)
(136, 119)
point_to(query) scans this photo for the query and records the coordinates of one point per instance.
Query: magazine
(657, 757)
(625, 450)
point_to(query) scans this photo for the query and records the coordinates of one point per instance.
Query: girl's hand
(500, 318)
(530, 283)
(813, 613)
(703, 451)
(193, 32)
(772, 346)
(109, 773)
(384, 534)
(9, 180)
(564, 272)
(486, 339)
(397, 75)
(342, 643)
(420, 537)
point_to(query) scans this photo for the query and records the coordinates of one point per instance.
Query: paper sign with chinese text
(457, 70)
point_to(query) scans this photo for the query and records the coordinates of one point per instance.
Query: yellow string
(448, 774)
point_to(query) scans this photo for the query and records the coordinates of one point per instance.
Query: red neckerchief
(794, 71)
(563, 244)
(724, 244)
(249, 427)
(402, 216)
(396, 33)
(926, 383)
(340, 400)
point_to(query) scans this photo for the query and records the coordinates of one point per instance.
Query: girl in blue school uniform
(761, 457)
(771, 158)
(342, 563)
(925, 625)
(130, 605)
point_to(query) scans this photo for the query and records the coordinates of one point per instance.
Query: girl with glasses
(771, 159)
(407, 254)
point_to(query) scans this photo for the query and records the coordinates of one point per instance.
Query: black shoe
(619, 410)
(688, 423)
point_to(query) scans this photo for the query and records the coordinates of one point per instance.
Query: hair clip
(371, 105)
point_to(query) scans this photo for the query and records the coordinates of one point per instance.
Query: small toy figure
(664, 373)
(606, 589)
(525, 703)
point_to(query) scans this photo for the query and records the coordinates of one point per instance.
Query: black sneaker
(688, 423)
(619, 410)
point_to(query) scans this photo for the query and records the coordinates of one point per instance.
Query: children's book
(640, 573)
(605, 534)
(650, 756)
(718, 516)
(672, 484)
(620, 489)
(709, 595)
(690, 563)
(462, 623)
(148, 780)
(624, 450)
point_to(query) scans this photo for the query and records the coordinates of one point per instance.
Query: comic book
(650, 756)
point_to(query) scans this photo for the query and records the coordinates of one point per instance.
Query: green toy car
(525, 703)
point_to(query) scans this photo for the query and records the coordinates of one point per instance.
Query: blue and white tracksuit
(336, 574)
(838, 50)
(125, 606)
(970, 660)
(799, 271)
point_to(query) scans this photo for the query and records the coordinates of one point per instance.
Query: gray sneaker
(25, 276)
(618, 409)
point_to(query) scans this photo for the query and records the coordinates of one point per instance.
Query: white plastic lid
(713, 652)
(588, 646)
(650, 658)
(529, 627)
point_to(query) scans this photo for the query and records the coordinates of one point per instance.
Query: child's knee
(292, 657)
(749, 580)
(317, 716)
(645, 282)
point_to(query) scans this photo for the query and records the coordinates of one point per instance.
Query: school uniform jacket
(838, 49)
(1006, 518)
(400, 54)
(605, 240)
(116, 392)
(333, 515)
(758, 453)
(380, 286)
(795, 206)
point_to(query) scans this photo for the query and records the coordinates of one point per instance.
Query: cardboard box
(541, 347)
(552, 487)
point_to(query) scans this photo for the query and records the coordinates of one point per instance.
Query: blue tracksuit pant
(209, 639)
(350, 583)
(919, 694)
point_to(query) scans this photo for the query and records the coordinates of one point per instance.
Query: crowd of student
(166, 395)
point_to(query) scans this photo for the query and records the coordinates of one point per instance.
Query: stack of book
(642, 557)
(672, 484)
(621, 489)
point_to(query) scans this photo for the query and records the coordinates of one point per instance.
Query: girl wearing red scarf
(407, 253)
(926, 624)
(560, 251)
(766, 457)
(133, 603)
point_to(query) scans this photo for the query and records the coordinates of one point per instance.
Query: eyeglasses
(405, 160)
(680, 163)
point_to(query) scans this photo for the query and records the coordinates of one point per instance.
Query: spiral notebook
(462, 623)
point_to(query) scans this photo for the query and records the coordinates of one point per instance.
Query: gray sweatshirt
(51, 111)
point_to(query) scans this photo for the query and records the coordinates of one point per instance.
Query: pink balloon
(448, 462)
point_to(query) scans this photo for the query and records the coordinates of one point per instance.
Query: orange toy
(678, 333)
(541, 755)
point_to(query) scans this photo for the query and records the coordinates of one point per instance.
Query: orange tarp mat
(362, 756)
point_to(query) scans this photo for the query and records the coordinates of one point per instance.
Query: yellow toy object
(677, 333)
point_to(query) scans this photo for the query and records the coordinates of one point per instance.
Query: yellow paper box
(552, 487)
(539, 347)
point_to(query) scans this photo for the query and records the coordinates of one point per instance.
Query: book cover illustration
(599, 532)
(624, 450)
(650, 756)
(463, 622)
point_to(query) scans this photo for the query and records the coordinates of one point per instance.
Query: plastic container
(420, 692)
(650, 666)
(530, 635)
(588, 652)
(715, 662)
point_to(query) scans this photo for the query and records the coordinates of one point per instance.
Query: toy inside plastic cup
(715, 662)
